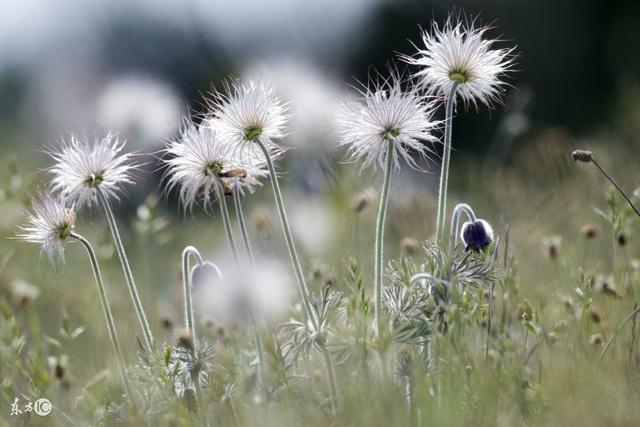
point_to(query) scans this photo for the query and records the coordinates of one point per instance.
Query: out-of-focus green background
(135, 67)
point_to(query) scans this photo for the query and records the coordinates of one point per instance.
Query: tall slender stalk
(297, 268)
(133, 290)
(226, 221)
(228, 230)
(626, 320)
(189, 317)
(111, 327)
(237, 200)
(444, 170)
(379, 245)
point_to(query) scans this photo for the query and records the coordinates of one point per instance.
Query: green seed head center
(460, 76)
(65, 230)
(253, 132)
(390, 134)
(95, 180)
(214, 168)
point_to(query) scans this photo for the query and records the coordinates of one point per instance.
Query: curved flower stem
(224, 212)
(133, 290)
(455, 221)
(111, 327)
(297, 268)
(254, 324)
(444, 169)
(237, 199)
(379, 246)
(626, 320)
(189, 317)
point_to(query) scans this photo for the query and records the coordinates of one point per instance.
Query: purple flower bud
(476, 235)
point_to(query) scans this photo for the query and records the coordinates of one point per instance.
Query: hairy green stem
(237, 200)
(293, 254)
(626, 320)
(455, 221)
(224, 212)
(133, 290)
(254, 324)
(111, 327)
(189, 316)
(297, 268)
(444, 169)
(379, 245)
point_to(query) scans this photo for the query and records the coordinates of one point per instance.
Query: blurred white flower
(458, 52)
(314, 225)
(312, 96)
(248, 110)
(386, 113)
(146, 111)
(228, 296)
(49, 225)
(200, 160)
(82, 167)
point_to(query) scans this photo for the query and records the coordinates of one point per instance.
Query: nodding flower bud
(476, 235)
(583, 156)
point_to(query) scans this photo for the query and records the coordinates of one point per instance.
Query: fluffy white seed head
(387, 113)
(49, 225)
(199, 161)
(246, 111)
(82, 167)
(458, 52)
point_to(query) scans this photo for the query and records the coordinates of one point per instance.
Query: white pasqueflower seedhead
(387, 113)
(83, 167)
(458, 52)
(246, 111)
(199, 161)
(49, 225)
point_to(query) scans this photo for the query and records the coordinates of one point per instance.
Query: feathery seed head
(49, 225)
(457, 52)
(387, 113)
(248, 110)
(82, 167)
(199, 159)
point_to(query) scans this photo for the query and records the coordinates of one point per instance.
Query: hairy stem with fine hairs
(297, 268)
(124, 261)
(237, 199)
(444, 169)
(111, 327)
(379, 257)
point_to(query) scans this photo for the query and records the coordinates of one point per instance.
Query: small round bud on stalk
(594, 315)
(590, 231)
(552, 337)
(560, 326)
(410, 246)
(596, 340)
(360, 202)
(476, 235)
(166, 323)
(583, 156)
(185, 340)
(552, 246)
(622, 239)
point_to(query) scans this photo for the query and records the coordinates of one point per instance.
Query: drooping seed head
(476, 235)
(387, 113)
(82, 167)
(49, 225)
(458, 52)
